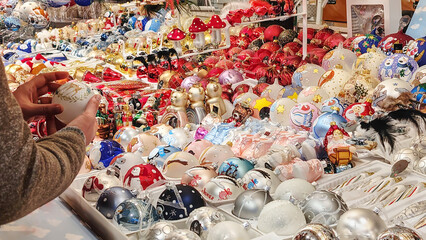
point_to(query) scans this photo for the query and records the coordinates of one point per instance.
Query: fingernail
(98, 97)
(58, 108)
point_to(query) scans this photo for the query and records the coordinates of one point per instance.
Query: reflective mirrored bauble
(110, 199)
(135, 214)
(201, 220)
(315, 231)
(359, 223)
(159, 231)
(281, 217)
(323, 207)
(399, 233)
(250, 203)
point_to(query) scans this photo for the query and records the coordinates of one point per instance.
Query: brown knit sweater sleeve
(32, 173)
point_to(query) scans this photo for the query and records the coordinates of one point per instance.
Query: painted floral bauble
(419, 76)
(280, 111)
(399, 66)
(303, 115)
(370, 61)
(307, 75)
(314, 95)
(416, 49)
(272, 32)
(391, 93)
(339, 56)
(387, 43)
(73, 96)
(333, 81)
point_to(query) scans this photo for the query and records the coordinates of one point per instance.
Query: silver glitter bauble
(250, 203)
(228, 230)
(316, 231)
(399, 233)
(201, 220)
(359, 223)
(323, 207)
(159, 231)
(182, 234)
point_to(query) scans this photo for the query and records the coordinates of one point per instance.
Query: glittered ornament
(250, 203)
(228, 230)
(349, 226)
(334, 80)
(368, 42)
(110, 199)
(334, 40)
(286, 36)
(271, 220)
(316, 231)
(370, 61)
(135, 214)
(280, 111)
(295, 188)
(307, 75)
(416, 49)
(292, 48)
(397, 66)
(321, 36)
(324, 207)
(178, 201)
(203, 219)
(271, 46)
(303, 115)
(314, 95)
(339, 56)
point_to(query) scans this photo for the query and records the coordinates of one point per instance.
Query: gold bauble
(208, 38)
(110, 58)
(118, 60)
(13, 69)
(37, 68)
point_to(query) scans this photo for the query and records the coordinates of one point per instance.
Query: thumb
(45, 109)
(93, 105)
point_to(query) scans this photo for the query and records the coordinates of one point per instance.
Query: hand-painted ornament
(316, 231)
(140, 177)
(419, 93)
(322, 123)
(398, 66)
(358, 111)
(324, 207)
(135, 214)
(290, 91)
(419, 76)
(228, 230)
(203, 219)
(271, 220)
(235, 167)
(349, 226)
(178, 201)
(250, 203)
(216, 154)
(110, 199)
(221, 188)
(355, 44)
(392, 93)
(73, 96)
(102, 153)
(307, 75)
(143, 143)
(230, 77)
(314, 95)
(366, 44)
(295, 188)
(126, 160)
(339, 56)
(272, 91)
(260, 178)
(387, 43)
(159, 155)
(12, 23)
(334, 80)
(177, 163)
(178, 137)
(198, 176)
(125, 135)
(280, 111)
(331, 104)
(416, 49)
(370, 61)
(303, 115)
(95, 185)
(38, 18)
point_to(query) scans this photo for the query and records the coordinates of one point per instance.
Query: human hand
(28, 95)
(86, 122)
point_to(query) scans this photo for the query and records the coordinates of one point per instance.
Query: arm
(33, 173)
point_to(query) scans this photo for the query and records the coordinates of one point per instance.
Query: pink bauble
(197, 147)
(189, 81)
(230, 77)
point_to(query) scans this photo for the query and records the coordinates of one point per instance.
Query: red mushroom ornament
(176, 35)
(198, 28)
(216, 24)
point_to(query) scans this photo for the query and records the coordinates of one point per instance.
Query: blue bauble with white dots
(177, 208)
(135, 214)
(153, 25)
(110, 199)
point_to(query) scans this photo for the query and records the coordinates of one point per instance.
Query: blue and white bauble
(102, 153)
(322, 123)
(12, 23)
(330, 104)
(57, 3)
(235, 167)
(135, 214)
(132, 21)
(141, 23)
(419, 93)
(159, 155)
(153, 25)
(397, 66)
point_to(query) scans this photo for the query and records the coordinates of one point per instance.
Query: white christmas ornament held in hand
(73, 96)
